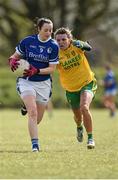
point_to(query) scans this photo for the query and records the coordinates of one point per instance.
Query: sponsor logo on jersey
(38, 57)
(31, 46)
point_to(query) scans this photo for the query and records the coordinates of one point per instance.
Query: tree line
(16, 18)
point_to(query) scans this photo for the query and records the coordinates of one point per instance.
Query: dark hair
(63, 30)
(39, 22)
(108, 67)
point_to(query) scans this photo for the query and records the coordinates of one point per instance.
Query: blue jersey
(39, 54)
(109, 81)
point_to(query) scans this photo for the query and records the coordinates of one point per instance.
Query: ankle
(35, 143)
(90, 136)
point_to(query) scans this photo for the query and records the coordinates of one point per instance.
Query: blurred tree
(79, 15)
(94, 20)
(8, 24)
(89, 13)
(33, 8)
(12, 23)
(56, 10)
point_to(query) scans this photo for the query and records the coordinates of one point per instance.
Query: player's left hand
(31, 71)
(13, 63)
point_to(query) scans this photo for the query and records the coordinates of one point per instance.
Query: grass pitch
(62, 157)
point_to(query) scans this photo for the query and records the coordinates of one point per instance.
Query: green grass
(62, 157)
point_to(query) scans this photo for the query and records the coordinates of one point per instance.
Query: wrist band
(38, 71)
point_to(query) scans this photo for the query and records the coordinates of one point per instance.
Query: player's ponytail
(36, 24)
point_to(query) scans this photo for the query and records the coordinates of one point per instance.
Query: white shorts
(41, 90)
(111, 92)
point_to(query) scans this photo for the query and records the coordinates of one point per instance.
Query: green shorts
(73, 98)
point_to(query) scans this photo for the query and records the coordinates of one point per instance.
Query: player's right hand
(31, 71)
(13, 62)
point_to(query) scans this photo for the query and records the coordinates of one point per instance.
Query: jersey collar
(41, 40)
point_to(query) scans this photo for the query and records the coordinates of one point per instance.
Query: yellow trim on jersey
(74, 69)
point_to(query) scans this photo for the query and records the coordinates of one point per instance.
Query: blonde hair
(63, 30)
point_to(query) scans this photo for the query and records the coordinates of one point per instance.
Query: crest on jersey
(41, 49)
(49, 50)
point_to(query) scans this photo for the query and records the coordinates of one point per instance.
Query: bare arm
(48, 70)
(16, 56)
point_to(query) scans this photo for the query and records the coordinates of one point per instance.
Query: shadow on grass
(44, 151)
(13, 151)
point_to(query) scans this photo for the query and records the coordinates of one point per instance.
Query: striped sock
(90, 136)
(35, 143)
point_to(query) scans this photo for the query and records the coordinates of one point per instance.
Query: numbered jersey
(74, 69)
(39, 54)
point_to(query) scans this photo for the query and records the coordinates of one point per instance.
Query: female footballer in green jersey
(78, 80)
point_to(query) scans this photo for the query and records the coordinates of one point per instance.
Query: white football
(23, 64)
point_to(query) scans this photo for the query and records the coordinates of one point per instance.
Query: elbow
(52, 70)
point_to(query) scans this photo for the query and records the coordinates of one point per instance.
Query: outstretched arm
(82, 45)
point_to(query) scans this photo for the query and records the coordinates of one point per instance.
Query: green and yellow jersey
(74, 69)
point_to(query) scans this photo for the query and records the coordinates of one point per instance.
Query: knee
(32, 114)
(84, 108)
(77, 117)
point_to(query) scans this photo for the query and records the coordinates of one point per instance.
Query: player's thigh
(86, 98)
(30, 102)
(87, 93)
(111, 98)
(73, 99)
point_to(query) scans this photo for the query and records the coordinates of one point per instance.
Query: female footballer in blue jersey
(110, 90)
(34, 87)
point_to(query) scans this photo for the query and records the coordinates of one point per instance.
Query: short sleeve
(54, 56)
(20, 48)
